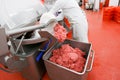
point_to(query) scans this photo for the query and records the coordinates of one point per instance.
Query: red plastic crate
(107, 18)
(108, 9)
(108, 13)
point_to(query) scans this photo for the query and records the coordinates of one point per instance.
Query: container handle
(91, 61)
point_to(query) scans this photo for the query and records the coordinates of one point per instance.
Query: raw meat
(60, 33)
(72, 58)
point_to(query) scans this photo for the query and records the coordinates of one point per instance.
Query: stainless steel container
(35, 70)
(57, 72)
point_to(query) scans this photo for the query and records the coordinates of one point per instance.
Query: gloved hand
(49, 19)
(46, 18)
(59, 15)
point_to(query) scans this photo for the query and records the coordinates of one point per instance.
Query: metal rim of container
(92, 56)
(86, 64)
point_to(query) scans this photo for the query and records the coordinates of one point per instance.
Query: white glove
(46, 18)
(59, 15)
(50, 19)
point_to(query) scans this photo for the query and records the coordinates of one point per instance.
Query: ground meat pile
(72, 58)
(60, 33)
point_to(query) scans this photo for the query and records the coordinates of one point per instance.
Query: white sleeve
(59, 4)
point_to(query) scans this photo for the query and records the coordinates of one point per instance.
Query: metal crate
(57, 72)
(35, 70)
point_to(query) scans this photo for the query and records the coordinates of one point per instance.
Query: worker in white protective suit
(76, 17)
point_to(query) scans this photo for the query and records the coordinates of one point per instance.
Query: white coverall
(76, 17)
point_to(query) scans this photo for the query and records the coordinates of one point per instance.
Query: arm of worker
(59, 4)
(46, 17)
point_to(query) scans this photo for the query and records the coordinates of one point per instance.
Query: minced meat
(72, 58)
